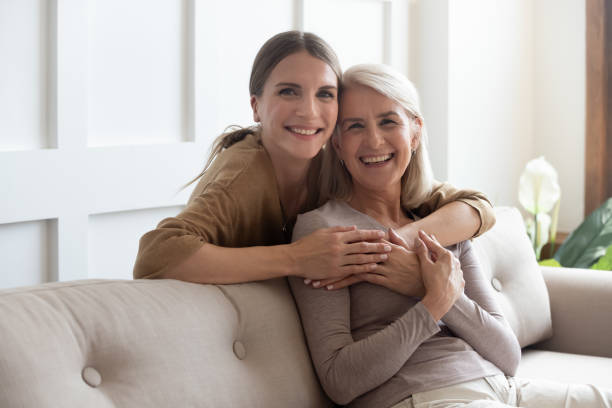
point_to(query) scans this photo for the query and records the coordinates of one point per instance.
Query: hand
(442, 276)
(334, 253)
(401, 272)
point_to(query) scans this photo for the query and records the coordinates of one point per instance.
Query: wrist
(287, 259)
(435, 306)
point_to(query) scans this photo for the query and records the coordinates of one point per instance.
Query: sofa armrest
(581, 309)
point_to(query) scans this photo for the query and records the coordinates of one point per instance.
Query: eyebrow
(380, 115)
(294, 85)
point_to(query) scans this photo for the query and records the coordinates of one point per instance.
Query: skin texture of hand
(442, 276)
(334, 253)
(400, 273)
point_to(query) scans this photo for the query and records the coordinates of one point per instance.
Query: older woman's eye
(387, 122)
(355, 126)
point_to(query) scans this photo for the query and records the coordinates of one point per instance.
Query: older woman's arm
(348, 368)
(477, 318)
(452, 215)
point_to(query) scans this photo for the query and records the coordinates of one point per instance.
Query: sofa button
(91, 376)
(496, 284)
(239, 350)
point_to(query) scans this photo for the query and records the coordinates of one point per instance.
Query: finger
(360, 259)
(367, 248)
(324, 282)
(396, 239)
(375, 279)
(422, 252)
(340, 228)
(432, 245)
(362, 235)
(344, 282)
(355, 269)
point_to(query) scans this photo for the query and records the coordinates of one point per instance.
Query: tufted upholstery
(508, 261)
(166, 343)
(153, 344)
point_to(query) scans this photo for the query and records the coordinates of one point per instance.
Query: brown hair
(270, 54)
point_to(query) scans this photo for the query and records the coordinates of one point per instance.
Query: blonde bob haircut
(417, 181)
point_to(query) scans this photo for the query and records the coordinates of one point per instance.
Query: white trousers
(502, 392)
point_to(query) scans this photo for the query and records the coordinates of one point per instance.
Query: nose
(374, 138)
(307, 106)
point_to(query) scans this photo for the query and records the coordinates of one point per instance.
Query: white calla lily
(539, 186)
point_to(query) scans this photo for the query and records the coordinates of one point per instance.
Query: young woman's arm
(451, 215)
(325, 253)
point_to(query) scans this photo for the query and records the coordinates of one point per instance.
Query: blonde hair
(417, 181)
(270, 54)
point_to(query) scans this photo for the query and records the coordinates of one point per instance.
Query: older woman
(426, 342)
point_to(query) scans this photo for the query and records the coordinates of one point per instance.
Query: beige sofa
(166, 343)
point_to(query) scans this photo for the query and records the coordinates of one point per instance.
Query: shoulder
(242, 168)
(310, 221)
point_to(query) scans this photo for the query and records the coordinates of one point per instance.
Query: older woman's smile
(377, 160)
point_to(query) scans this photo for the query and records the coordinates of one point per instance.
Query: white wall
(107, 107)
(559, 96)
(503, 82)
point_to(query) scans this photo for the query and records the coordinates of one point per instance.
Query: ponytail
(233, 134)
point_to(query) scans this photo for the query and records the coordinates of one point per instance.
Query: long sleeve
(477, 318)
(348, 368)
(445, 193)
(235, 204)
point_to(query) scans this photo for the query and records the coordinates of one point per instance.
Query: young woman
(237, 224)
(424, 343)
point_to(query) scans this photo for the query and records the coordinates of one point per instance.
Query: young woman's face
(298, 107)
(375, 138)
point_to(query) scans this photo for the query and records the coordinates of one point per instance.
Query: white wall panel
(228, 36)
(113, 240)
(363, 28)
(24, 47)
(137, 54)
(27, 253)
(490, 96)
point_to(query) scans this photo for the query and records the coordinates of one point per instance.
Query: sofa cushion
(148, 343)
(508, 261)
(566, 368)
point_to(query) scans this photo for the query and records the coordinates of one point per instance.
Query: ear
(416, 134)
(254, 107)
(335, 141)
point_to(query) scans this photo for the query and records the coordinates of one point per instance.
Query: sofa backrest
(165, 343)
(508, 260)
(148, 343)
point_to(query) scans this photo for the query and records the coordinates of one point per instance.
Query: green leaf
(589, 241)
(605, 262)
(549, 262)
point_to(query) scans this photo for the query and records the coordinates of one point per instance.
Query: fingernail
(383, 256)
(387, 248)
(330, 287)
(373, 266)
(417, 242)
(307, 281)
(316, 284)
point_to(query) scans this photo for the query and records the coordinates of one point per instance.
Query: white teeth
(376, 159)
(304, 131)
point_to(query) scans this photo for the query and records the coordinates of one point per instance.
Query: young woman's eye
(326, 94)
(287, 91)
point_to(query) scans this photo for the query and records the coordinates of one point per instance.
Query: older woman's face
(375, 138)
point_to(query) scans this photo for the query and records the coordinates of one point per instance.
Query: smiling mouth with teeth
(376, 159)
(305, 132)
